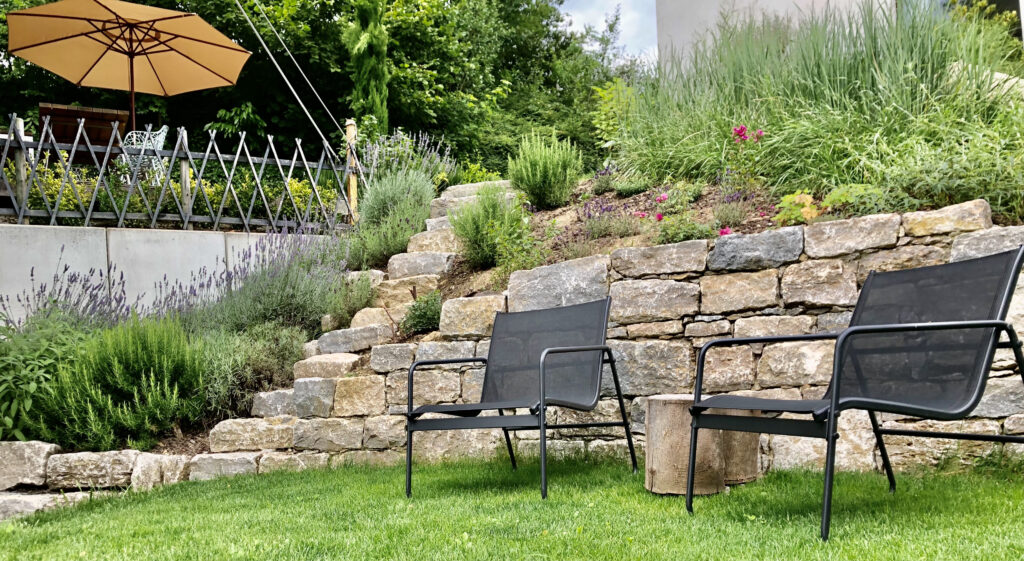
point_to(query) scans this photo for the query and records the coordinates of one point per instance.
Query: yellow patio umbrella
(124, 46)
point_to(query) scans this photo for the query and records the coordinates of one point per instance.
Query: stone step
(23, 504)
(441, 223)
(334, 365)
(380, 316)
(471, 189)
(434, 240)
(444, 207)
(423, 263)
(273, 404)
(353, 339)
(394, 293)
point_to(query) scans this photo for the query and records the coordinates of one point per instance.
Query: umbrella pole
(131, 87)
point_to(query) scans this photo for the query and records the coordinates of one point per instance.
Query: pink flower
(724, 231)
(740, 130)
(761, 214)
(758, 135)
(640, 214)
(662, 198)
(659, 217)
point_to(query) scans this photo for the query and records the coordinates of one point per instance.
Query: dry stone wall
(350, 392)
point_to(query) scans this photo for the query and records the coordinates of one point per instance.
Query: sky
(638, 35)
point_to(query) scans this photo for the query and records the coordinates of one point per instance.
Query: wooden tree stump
(740, 450)
(668, 449)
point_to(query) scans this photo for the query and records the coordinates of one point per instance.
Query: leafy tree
(367, 42)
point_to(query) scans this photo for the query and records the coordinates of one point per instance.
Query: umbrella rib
(98, 59)
(151, 65)
(59, 39)
(231, 47)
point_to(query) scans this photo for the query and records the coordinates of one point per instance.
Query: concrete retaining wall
(146, 257)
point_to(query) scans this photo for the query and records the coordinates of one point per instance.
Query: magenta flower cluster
(740, 134)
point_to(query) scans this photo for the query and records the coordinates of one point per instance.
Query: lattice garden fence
(130, 184)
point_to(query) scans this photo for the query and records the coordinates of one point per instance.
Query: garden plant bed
(475, 510)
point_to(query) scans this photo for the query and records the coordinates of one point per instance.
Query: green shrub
(480, 224)
(796, 208)
(473, 173)
(731, 213)
(851, 200)
(546, 169)
(516, 249)
(131, 385)
(683, 227)
(241, 364)
(612, 225)
(354, 293)
(29, 358)
(371, 245)
(424, 314)
(632, 187)
(388, 192)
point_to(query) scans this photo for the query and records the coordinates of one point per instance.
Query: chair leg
(543, 458)
(408, 463)
(625, 425)
(886, 465)
(690, 467)
(508, 443)
(830, 464)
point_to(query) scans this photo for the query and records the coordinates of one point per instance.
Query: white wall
(145, 257)
(682, 22)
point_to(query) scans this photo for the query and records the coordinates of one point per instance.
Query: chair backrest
(519, 338)
(940, 372)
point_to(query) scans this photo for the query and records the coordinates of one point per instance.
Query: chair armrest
(702, 355)
(419, 363)
(607, 351)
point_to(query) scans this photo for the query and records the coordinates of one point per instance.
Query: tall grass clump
(906, 101)
(481, 224)
(389, 191)
(546, 169)
(395, 207)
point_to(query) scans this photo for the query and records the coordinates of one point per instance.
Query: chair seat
(816, 407)
(468, 409)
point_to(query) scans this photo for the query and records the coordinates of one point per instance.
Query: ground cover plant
(911, 105)
(484, 510)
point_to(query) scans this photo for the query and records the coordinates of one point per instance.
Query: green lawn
(475, 510)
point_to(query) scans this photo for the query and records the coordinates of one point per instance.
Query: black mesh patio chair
(920, 343)
(536, 359)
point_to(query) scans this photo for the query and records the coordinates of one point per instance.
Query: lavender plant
(404, 152)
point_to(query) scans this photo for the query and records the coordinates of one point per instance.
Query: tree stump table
(668, 449)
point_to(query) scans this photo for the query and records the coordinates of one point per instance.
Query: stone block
(1003, 397)
(556, 449)
(234, 435)
(19, 504)
(900, 258)
(641, 301)
(24, 463)
(470, 318)
(683, 257)
(204, 467)
(826, 282)
(606, 411)
(472, 385)
(388, 358)
(396, 292)
(766, 326)
(708, 328)
(618, 448)
(908, 451)
(650, 367)
(842, 237)
(963, 217)
(359, 396)
(438, 350)
(855, 449)
(288, 461)
(329, 435)
(638, 415)
(334, 365)
(430, 387)
(310, 348)
(153, 470)
(753, 252)
(314, 397)
(443, 240)
(435, 446)
(384, 431)
(273, 404)
(406, 265)
(796, 364)
(654, 329)
(473, 189)
(739, 291)
(90, 470)
(1014, 424)
(834, 321)
(440, 223)
(562, 284)
(986, 242)
(354, 339)
(374, 458)
(379, 316)
(728, 369)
